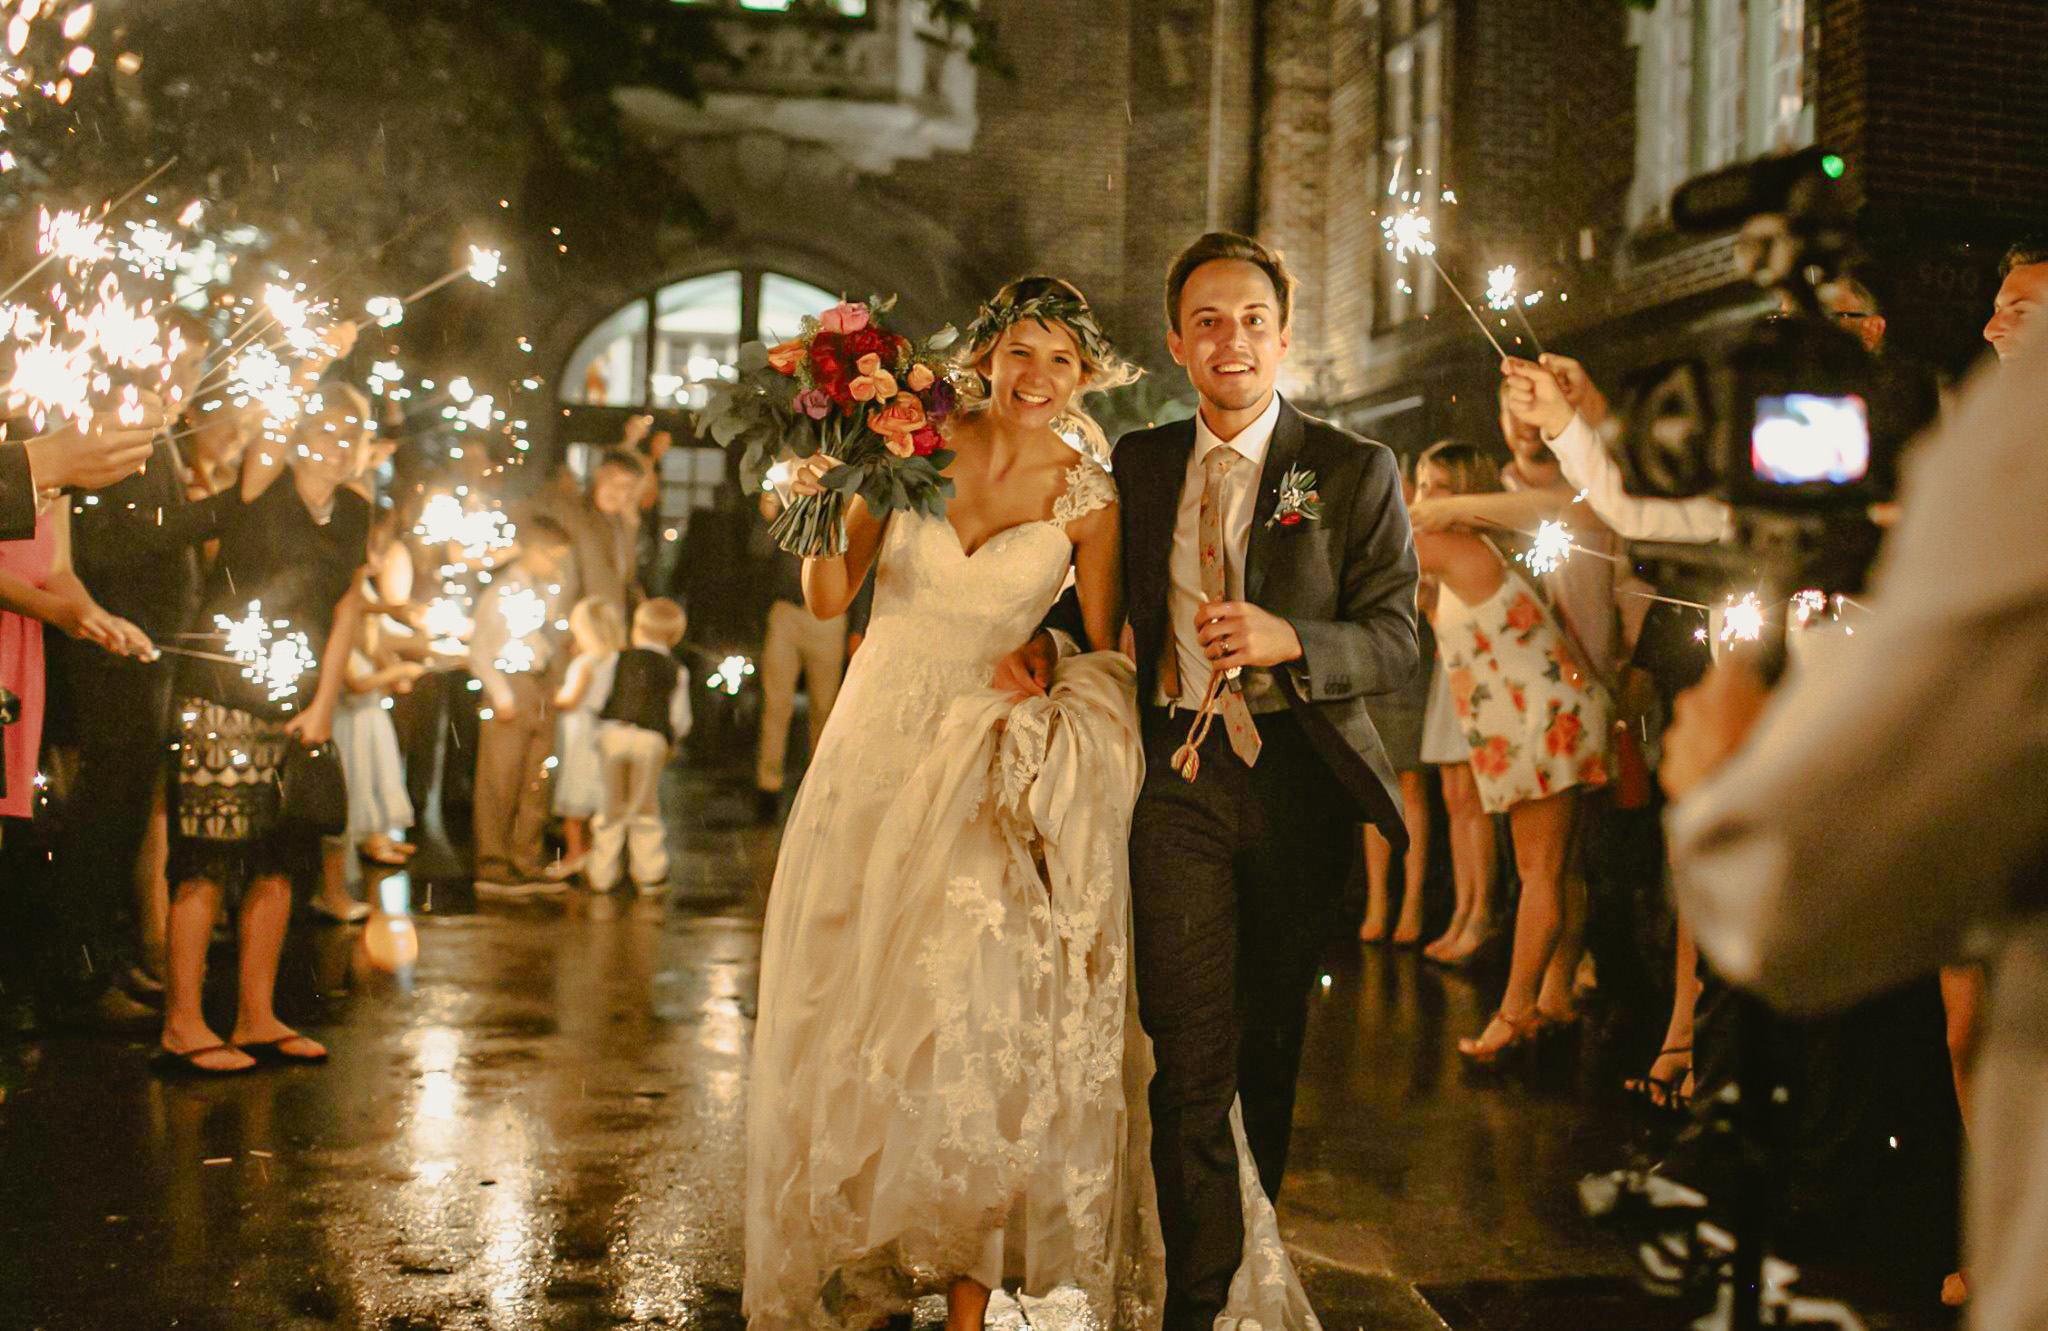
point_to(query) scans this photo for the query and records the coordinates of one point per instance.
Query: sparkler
(1552, 546)
(1408, 233)
(445, 521)
(485, 266)
(525, 611)
(277, 661)
(1742, 620)
(447, 619)
(388, 311)
(731, 674)
(1501, 295)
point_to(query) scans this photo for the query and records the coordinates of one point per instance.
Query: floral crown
(1051, 307)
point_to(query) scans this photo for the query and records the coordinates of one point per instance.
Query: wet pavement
(540, 1126)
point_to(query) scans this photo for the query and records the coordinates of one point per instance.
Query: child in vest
(645, 714)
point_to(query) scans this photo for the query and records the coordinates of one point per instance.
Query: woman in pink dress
(1537, 726)
(37, 587)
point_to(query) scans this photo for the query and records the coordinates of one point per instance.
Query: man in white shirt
(1270, 577)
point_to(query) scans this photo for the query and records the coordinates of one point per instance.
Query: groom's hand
(1027, 672)
(1238, 633)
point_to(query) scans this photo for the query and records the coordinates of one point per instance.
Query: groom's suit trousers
(1234, 882)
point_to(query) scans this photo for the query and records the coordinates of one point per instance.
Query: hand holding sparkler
(85, 620)
(1578, 387)
(89, 458)
(1535, 397)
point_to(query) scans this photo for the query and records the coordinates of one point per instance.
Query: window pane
(1400, 91)
(784, 303)
(606, 369)
(696, 337)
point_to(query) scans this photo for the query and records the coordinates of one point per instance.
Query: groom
(1259, 541)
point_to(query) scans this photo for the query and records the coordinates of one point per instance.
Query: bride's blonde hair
(1049, 301)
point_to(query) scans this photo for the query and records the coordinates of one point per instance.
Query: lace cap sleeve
(1088, 488)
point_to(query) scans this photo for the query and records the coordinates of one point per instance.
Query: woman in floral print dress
(1538, 727)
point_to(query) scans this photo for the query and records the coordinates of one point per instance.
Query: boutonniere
(1299, 501)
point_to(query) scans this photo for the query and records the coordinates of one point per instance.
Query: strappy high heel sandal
(1522, 1034)
(1664, 1094)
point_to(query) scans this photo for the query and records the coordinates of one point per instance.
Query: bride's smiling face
(1033, 371)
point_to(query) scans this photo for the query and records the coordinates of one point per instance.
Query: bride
(948, 1084)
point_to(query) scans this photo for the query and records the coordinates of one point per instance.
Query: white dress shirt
(1886, 816)
(1698, 521)
(1184, 567)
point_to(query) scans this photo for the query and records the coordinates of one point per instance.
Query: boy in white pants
(647, 712)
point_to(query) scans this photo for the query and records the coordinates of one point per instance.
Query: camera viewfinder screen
(1810, 439)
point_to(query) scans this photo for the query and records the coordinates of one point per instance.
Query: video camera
(1788, 418)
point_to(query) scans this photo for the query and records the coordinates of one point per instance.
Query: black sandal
(171, 1063)
(274, 1051)
(1663, 1094)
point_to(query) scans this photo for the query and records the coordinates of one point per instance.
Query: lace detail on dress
(1089, 487)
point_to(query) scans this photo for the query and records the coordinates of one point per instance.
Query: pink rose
(919, 378)
(814, 402)
(845, 317)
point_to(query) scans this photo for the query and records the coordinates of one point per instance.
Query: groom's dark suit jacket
(1345, 581)
(17, 496)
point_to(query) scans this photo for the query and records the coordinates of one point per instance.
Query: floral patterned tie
(1218, 699)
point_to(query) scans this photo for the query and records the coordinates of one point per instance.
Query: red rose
(1564, 733)
(926, 442)
(1289, 519)
(828, 369)
(872, 341)
(1491, 758)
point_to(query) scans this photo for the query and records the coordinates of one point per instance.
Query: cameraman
(1886, 816)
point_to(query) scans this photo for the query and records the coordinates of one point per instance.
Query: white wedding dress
(948, 1075)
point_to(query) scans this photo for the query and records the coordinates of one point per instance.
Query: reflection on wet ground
(541, 1126)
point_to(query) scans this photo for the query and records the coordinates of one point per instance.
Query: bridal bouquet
(849, 386)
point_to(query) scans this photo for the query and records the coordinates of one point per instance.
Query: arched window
(660, 351)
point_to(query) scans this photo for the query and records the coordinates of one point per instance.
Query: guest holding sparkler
(1537, 728)
(513, 655)
(37, 583)
(136, 546)
(285, 591)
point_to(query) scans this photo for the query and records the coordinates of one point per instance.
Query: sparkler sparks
(1742, 620)
(277, 661)
(1407, 233)
(445, 521)
(486, 266)
(731, 674)
(1553, 545)
(71, 237)
(525, 611)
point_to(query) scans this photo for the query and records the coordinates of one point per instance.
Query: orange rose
(874, 383)
(897, 422)
(788, 356)
(919, 378)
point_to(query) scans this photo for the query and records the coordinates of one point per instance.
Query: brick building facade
(1131, 125)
